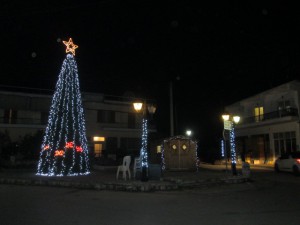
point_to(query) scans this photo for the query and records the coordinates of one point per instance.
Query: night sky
(222, 52)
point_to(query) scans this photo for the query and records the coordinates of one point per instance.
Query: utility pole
(171, 110)
(172, 107)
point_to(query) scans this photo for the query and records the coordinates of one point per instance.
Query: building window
(111, 145)
(284, 108)
(131, 145)
(96, 138)
(131, 120)
(10, 116)
(284, 104)
(259, 113)
(98, 150)
(44, 117)
(1, 116)
(121, 117)
(106, 116)
(285, 142)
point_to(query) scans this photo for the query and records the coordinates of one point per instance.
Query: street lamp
(188, 133)
(229, 122)
(138, 106)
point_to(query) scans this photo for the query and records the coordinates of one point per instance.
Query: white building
(269, 123)
(112, 125)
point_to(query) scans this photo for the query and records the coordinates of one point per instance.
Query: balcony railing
(31, 121)
(27, 121)
(271, 115)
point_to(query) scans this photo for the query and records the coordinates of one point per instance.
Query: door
(98, 150)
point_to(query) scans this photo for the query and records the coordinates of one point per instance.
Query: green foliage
(6, 146)
(30, 145)
(28, 148)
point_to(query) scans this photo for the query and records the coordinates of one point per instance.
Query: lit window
(259, 113)
(98, 150)
(158, 149)
(99, 138)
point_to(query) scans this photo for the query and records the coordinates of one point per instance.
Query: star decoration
(70, 46)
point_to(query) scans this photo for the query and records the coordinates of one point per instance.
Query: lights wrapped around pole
(229, 124)
(138, 106)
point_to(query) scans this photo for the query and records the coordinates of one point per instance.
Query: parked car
(289, 162)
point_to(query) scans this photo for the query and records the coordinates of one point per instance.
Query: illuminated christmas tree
(64, 150)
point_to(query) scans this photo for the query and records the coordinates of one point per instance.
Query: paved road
(270, 199)
(105, 179)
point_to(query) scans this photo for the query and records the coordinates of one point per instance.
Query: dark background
(222, 52)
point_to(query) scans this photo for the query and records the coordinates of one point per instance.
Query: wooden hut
(179, 153)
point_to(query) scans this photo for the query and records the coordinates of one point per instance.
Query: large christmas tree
(64, 150)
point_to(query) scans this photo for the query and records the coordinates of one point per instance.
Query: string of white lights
(232, 145)
(64, 148)
(144, 153)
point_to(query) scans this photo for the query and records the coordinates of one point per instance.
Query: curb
(130, 187)
(167, 184)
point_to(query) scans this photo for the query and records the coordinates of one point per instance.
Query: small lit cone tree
(64, 150)
(143, 151)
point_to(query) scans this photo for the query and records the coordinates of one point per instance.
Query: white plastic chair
(125, 167)
(137, 166)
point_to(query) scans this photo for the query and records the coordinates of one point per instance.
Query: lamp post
(229, 124)
(225, 150)
(138, 106)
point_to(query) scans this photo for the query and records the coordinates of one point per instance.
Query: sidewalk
(104, 178)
